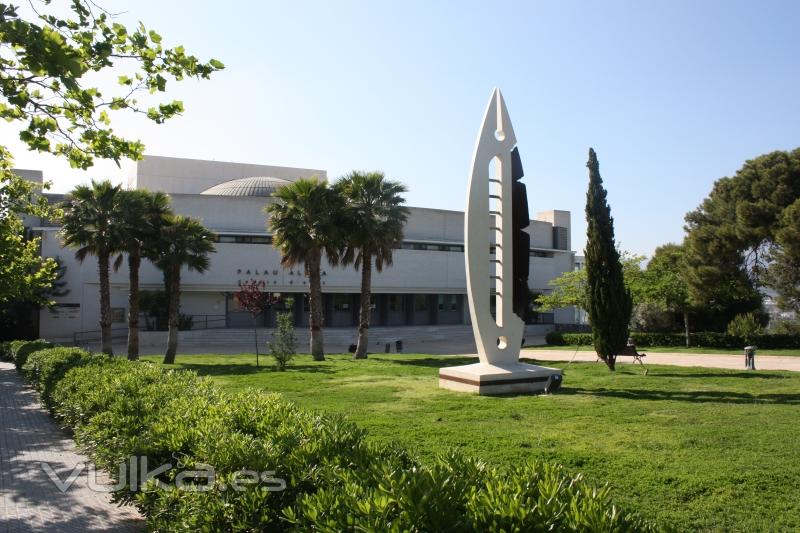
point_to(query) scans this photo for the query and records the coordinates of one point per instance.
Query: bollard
(750, 357)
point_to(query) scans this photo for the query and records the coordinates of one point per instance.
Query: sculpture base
(512, 378)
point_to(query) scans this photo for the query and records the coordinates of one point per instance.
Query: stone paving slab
(732, 362)
(29, 499)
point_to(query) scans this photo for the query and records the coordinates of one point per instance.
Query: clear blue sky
(672, 95)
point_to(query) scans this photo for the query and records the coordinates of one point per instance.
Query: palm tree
(305, 222)
(184, 242)
(145, 213)
(91, 223)
(375, 217)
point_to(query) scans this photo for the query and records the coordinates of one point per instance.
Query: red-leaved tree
(254, 299)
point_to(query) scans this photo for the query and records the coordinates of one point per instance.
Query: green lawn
(696, 448)
(795, 352)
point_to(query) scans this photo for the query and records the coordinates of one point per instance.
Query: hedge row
(700, 339)
(335, 480)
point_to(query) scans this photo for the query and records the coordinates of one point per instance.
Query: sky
(672, 95)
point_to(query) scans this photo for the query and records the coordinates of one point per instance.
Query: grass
(794, 352)
(701, 449)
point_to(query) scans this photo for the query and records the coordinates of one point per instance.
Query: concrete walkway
(29, 499)
(733, 362)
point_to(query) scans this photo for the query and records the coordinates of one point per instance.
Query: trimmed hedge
(335, 479)
(700, 340)
(20, 350)
(46, 367)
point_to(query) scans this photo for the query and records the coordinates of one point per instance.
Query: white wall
(193, 176)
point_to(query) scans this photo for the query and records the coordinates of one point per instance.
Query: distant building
(425, 286)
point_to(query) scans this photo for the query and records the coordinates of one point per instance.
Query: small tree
(609, 302)
(666, 283)
(282, 345)
(252, 297)
(745, 326)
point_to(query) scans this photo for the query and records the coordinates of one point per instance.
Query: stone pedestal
(504, 378)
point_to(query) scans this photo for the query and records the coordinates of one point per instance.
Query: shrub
(746, 327)
(785, 326)
(334, 478)
(699, 339)
(20, 350)
(44, 368)
(282, 345)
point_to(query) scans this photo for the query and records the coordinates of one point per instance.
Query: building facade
(426, 285)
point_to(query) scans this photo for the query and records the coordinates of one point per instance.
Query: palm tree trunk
(105, 303)
(174, 314)
(315, 307)
(365, 311)
(686, 326)
(134, 261)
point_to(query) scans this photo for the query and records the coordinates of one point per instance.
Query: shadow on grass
(747, 375)
(241, 370)
(687, 396)
(434, 362)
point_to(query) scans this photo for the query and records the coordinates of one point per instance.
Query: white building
(425, 286)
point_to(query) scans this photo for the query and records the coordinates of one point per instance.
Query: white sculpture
(489, 244)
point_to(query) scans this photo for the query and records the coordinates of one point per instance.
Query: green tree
(24, 275)
(143, 215)
(784, 271)
(47, 70)
(374, 218)
(569, 289)
(92, 223)
(666, 282)
(47, 66)
(185, 242)
(609, 302)
(306, 222)
(743, 234)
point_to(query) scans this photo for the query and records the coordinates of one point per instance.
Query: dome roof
(255, 186)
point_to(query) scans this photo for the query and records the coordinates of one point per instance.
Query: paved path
(29, 500)
(735, 362)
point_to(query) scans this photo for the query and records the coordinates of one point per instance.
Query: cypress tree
(609, 301)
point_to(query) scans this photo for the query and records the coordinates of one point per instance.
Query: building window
(341, 302)
(244, 239)
(420, 302)
(448, 302)
(395, 302)
(539, 253)
(117, 314)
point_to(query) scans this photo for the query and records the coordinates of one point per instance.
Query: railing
(198, 322)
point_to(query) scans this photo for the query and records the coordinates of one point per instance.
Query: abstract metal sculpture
(497, 263)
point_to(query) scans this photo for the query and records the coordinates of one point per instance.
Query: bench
(630, 351)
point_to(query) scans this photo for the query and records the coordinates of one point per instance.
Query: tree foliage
(569, 289)
(307, 224)
(745, 234)
(184, 242)
(374, 215)
(24, 275)
(92, 223)
(666, 283)
(47, 66)
(609, 302)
